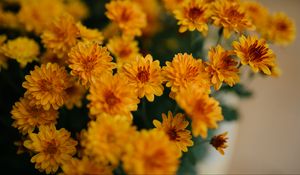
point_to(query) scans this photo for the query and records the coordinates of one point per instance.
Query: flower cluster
(113, 76)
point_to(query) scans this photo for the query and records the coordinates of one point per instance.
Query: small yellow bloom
(3, 58)
(172, 5)
(50, 57)
(204, 110)
(23, 49)
(175, 128)
(193, 15)
(52, 147)
(85, 166)
(127, 15)
(185, 70)
(106, 138)
(88, 61)
(9, 19)
(112, 95)
(145, 75)
(46, 86)
(27, 117)
(75, 94)
(90, 34)
(231, 17)
(151, 153)
(125, 49)
(222, 67)
(77, 8)
(256, 53)
(219, 142)
(281, 29)
(61, 35)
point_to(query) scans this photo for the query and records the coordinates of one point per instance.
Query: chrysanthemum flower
(35, 14)
(127, 15)
(204, 111)
(222, 67)
(193, 15)
(281, 29)
(27, 117)
(61, 35)
(151, 153)
(219, 142)
(23, 49)
(9, 19)
(175, 128)
(90, 34)
(106, 138)
(125, 49)
(46, 86)
(145, 75)
(172, 5)
(85, 166)
(89, 61)
(231, 17)
(112, 95)
(50, 57)
(185, 70)
(52, 147)
(77, 8)
(256, 53)
(75, 94)
(3, 58)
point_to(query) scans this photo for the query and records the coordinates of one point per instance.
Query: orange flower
(219, 142)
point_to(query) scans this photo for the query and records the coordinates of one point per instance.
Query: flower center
(111, 99)
(282, 26)
(256, 53)
(125, 52)
(143, 74)
(194, 13)
(172, 134)
(51, 147)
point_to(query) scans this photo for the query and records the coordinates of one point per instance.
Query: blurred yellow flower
(145, 75)
(222, 67)
(151, 153)
(127, 15)
(281, 29)
(172, 5)
(77, 8)
(61, 35)
(90, 34)
(231, 17)
(175, 128)
(112, 95)
(193, 15)
(52, 147)
(23, 49)
(9, 19)
(256, 53)
(106, 138)
(46, 86)
(50, 57)
(204, 110)
(3, 58)
(219, 142)
(85, 166)
(27, 117)
(185, 70)
(88, 61)
(125, 49)
(75, 95)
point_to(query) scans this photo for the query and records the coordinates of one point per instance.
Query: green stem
(176, 109)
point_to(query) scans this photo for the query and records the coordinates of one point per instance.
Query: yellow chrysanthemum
(219, 142)
(151, 153)
(281, 29)
(222, 67)
(172, 5)
(75, 94)
(77, 8)
(175, 128)
(36, 14)
(204, 110)
(125, 49)
(61, 35)
(89, 61)
(106, 138)
(231, 17)
(8, 19)
(23, 49)
(127, 15)
(193, 15)
(112, 95)
(85, 166)
(185, 70)
(145, 75)
(257, 13)
(52, 147)
(27, 117)
(3, 58)
(90, 34)
(256, 53)
(50, 57)
(46, 86)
